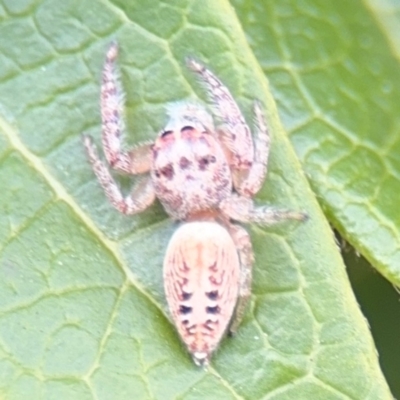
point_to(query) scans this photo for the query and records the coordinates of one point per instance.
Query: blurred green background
(380, 303)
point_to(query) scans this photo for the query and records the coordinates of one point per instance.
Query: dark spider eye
(166, 133)
(187, 128)
(167, 171)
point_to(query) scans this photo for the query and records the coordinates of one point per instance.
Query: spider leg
(235, 134)
(249, 184)
(248, 160)
(137, 160)
(246, 257)
(142, 195)
(242, 209)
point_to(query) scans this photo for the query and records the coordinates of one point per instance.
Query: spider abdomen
(201, 280)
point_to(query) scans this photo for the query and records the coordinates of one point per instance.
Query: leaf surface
(334, 71)
(82, 309)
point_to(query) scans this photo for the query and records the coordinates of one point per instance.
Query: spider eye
(167, 171)
(165, 134)
(187, 128)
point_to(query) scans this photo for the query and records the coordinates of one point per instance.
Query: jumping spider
(205, 178)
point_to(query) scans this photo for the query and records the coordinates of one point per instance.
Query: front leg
(235, 135)
(248, 160)
(141, 197)
(136, 161)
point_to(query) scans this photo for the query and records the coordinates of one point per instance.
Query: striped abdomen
(201, 280)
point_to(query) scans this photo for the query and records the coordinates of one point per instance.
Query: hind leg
(243, 244)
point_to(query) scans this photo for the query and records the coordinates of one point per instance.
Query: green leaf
(334, 71)
(82, 309)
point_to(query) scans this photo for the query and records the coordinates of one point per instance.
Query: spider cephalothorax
(190, 171)
(205, 178)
